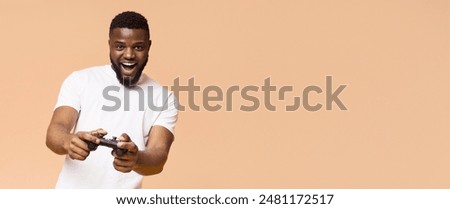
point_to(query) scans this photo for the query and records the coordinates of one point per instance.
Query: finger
(128, 156)
(118, 165)
(77, 156)
(87, 137)
(82, 150)
(123, 169)
(124, 138)
(99, 132)
(125, 142)
(115, 155)
(122, 162)
(129, 146)
(78, 143)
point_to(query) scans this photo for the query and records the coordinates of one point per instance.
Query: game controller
(111, 143)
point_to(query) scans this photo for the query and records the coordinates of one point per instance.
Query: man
(114, 100)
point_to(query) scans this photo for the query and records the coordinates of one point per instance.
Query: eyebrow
(123, 42)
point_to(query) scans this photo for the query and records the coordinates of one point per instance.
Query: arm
(149, 161)
(59, 137)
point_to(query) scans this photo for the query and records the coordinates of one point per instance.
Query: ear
(149, 45)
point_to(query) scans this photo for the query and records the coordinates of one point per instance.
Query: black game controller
(111, 143)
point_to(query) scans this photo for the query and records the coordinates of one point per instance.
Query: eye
(139, 48)
(119, 47)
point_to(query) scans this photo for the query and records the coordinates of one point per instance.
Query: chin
(127, 81)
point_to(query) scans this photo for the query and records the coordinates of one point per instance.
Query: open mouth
(128, 68)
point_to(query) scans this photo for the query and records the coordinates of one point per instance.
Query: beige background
(393, 55)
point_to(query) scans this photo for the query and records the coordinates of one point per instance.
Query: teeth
(129, 64)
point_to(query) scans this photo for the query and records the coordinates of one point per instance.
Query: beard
(128, 82)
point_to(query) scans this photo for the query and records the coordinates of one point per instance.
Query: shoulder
(92, 70)
(83, 75)
(149, 83)
(155, 89)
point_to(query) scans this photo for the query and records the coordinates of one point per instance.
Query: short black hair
(131, 20)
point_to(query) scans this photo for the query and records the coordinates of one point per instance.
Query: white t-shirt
(102, 102)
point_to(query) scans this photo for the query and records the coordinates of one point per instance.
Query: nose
(129, 53)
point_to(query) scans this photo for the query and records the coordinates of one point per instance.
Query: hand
(126, 162)
(78, 147)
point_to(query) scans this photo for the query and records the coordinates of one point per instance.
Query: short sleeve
(71, 91)
(168, 115)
